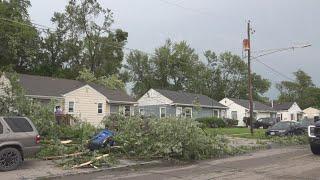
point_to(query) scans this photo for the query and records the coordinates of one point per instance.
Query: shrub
(230, 122)
(212, 122)
(166, 137)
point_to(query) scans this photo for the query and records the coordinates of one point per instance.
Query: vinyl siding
(116, 108)
(86, 104)
(154, 111)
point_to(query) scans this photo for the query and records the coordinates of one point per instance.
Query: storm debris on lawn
(90, 162)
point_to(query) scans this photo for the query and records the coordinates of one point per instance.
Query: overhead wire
(43, 27)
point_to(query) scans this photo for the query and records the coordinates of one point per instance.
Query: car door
(3, 137)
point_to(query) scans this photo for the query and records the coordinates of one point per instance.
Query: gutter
(218, 107)
(44, 97)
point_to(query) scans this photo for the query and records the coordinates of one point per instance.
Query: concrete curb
(121, 167)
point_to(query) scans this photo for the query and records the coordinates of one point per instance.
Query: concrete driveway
(281, 163)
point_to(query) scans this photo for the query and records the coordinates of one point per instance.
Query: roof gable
(186, 98)
(256, 104)
(283, 106)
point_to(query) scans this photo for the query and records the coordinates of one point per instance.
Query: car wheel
(315, 149)
(10, 159)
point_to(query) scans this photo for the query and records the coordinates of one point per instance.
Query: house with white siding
(288, 111)
(165, 103)
(311, 113)
(86, 101)
(238, 109)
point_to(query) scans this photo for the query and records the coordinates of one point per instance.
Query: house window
(178, 111)
(141, 111)
(292, 117)
(188, 112)
(71, 107)
(234, 115)
(215, 113)
(100, 107)
(281, 116)
(163, 112)
(127, 111)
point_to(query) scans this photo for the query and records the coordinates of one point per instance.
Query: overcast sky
(218, 25)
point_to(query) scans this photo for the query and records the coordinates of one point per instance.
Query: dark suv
(265, 122)
(314, 137)
(18, 139)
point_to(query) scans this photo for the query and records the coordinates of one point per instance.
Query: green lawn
(238, 132)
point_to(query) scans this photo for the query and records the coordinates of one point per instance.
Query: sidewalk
(34, 169)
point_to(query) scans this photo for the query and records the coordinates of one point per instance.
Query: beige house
(311, 113)
(86, 101)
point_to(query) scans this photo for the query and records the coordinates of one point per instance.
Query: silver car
(19, 139)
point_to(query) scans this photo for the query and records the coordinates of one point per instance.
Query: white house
(238, 109)
(311, 113)
(289, 111)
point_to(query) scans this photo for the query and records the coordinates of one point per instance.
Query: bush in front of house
(165, 138)
(230, 122)
(212, 122)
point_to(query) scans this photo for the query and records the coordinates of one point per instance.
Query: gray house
(165, 103)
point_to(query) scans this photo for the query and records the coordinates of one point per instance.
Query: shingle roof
(115, 95)
(283, 106)
(256, 104)
(181, 97)
(49, 86)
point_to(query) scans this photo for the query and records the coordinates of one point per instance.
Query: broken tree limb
(66, 142)
(64, 156)
(90, 162)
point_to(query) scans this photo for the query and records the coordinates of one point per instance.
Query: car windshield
(281, 125)
(306, 122)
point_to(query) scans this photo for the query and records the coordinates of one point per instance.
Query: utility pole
(250, 88)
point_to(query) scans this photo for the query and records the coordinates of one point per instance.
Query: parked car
(265, 122)
(314, 137)
(284, 128)
(305, 123)
(19, 139)
(246, 120)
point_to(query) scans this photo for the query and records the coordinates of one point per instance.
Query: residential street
(282, 163)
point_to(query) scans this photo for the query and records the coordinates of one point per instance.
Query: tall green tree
(175, 65)
(302, 90)
(226, 76)
(80, 41)
(19, 38)
(140, 71)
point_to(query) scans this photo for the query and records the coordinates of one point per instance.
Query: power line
(43, 27)
(274, 70)
(186, 8)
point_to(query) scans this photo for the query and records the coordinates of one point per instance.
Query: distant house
(87, 101)
(288, 111)
(238, 109)
(165, 103)
(311, 113)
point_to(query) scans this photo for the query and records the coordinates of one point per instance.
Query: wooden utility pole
(250, 88)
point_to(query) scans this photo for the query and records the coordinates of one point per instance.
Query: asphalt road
(282, 163)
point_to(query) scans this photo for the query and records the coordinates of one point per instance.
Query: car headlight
(311, 131)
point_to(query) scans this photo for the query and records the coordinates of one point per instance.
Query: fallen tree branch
(64, 156)
(66, 142)
(90, 162)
